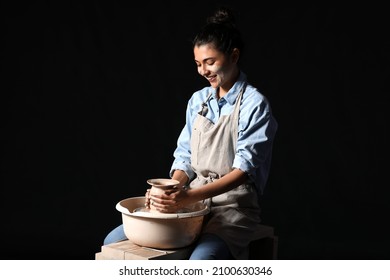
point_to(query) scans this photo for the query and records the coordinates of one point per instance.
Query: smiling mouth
(211, 79)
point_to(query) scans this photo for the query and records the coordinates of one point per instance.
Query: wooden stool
(264, 248)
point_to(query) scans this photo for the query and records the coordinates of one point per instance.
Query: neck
(222, 90)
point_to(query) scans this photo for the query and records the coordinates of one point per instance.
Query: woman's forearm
(228, 182)
(181, 176)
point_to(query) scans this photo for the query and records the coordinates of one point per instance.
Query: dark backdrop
(94, 97)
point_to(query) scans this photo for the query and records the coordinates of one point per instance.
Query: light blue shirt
(256, 130)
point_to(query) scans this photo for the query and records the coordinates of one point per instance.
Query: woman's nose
(202, 70)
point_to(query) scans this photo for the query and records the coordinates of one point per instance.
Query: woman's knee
(116, 235)
(211, 247)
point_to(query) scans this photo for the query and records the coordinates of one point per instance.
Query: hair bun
(222, 16)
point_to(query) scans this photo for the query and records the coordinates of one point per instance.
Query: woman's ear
(235, 55)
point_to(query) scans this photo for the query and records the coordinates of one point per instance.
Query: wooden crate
(127, 250)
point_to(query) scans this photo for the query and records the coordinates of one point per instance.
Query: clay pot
(160, 185)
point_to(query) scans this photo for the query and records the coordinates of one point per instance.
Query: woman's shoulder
(254, 95)
(202, 92)
(200, 96)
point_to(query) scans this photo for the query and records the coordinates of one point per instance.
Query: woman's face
(219, 69)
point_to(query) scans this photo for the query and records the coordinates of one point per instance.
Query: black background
(94, 97)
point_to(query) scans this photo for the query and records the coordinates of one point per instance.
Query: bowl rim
(165, 182)
(154, 215)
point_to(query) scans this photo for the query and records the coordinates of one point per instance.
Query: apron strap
(236, 114)
(204, 109)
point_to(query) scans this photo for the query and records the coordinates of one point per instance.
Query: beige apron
(235, 215)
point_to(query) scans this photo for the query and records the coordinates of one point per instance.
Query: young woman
(224, 151)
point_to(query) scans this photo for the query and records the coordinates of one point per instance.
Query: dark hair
(221, 31)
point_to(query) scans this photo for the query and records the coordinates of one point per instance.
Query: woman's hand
(170, 201)
(147, 199)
